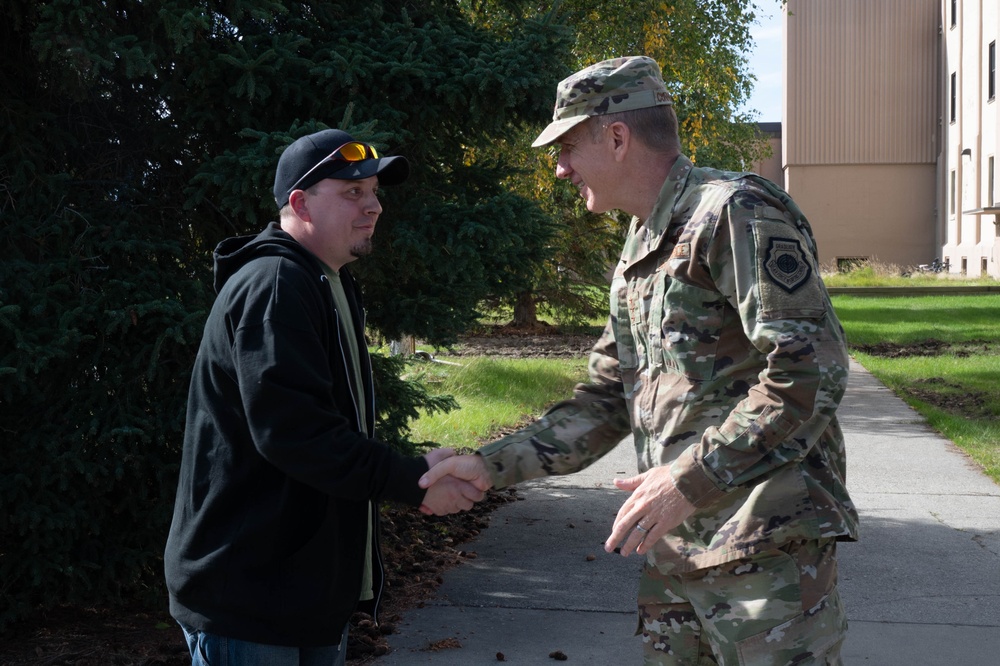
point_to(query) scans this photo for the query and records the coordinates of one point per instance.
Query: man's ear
(297, 200)
(620, 136)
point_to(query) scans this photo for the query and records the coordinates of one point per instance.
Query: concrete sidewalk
(922, 587)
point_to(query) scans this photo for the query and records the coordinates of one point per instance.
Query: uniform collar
(646, 237)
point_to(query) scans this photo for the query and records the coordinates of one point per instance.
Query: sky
(765, 63)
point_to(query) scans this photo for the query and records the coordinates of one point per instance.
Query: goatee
(362, 248)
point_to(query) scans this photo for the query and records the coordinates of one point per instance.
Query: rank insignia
(681, 251)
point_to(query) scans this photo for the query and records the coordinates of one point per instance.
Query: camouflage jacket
(724, 358)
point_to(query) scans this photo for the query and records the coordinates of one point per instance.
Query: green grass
(906, 319)
(956, 390)
(957, 395)
(493, 394)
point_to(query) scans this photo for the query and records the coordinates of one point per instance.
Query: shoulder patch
(788, 281)
(785, 263)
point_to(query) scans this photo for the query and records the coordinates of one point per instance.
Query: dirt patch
(952, 398)
(893, 350)
(541, 341)
(936, 391)
(930, 347)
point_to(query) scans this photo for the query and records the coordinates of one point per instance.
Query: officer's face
(588, 164)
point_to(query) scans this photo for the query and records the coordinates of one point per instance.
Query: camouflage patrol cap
(610, 86)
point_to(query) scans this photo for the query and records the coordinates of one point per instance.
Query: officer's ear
(619, 136)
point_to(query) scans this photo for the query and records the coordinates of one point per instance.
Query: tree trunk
(405, 346)
(525, 310)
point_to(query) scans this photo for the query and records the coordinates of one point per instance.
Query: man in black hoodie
(274, 541)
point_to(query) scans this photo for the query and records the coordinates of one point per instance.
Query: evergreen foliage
(408, 395)
(136, 136)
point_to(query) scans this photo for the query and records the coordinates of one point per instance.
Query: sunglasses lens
(355, 152)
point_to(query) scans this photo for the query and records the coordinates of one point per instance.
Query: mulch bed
(418, 549)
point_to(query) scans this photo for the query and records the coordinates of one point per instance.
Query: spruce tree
(136, 136)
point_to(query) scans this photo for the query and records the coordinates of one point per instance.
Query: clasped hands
(453, 482)
(654, 507)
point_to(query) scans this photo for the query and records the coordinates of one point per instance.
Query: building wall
(861, 125)
(967, 222)
(770, 168)
(868, 211)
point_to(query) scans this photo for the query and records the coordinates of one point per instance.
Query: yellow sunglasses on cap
(352, 151)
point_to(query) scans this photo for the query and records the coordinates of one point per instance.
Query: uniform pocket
(815, 637)
(689, 323)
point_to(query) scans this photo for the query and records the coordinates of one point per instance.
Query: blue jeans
(214, 650)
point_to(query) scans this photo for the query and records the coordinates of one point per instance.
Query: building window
(991, 84)
(848, 264)
(989, 183)
(954, 13)
(954, 97)
(951, 194)
(965, 265)
(985, 267)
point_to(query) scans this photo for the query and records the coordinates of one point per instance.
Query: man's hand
(449, 493)
(654, 508)
(470, 468)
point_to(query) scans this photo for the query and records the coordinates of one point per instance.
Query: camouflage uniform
(725, 360)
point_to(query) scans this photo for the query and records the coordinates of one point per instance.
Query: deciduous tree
(701, 46)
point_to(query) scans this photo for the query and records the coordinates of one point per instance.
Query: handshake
(453, 482)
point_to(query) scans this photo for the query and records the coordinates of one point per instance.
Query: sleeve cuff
(402, 484)
(696, 483)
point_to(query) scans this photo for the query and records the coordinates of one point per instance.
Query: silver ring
(641, 528)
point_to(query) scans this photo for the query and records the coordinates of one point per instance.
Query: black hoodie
(271, 517)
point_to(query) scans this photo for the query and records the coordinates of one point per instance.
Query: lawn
(494, 394)
(958, 318)
(941, 354)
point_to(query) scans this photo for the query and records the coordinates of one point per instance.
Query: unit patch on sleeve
(786, 264)
(788, 283)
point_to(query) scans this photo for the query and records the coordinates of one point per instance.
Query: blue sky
(765, 63)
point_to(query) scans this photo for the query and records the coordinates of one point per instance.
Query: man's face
(343, 214)
(587, 164)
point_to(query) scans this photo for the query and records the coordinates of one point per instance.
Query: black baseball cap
(302, 165)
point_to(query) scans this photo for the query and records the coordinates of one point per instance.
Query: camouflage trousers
(773, 608)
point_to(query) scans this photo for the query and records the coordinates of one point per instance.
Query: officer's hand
(654, 508)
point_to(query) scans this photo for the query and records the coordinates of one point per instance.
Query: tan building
(771, 167)
(890, 129)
